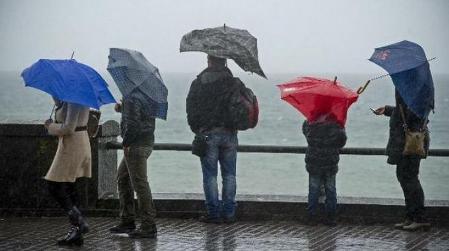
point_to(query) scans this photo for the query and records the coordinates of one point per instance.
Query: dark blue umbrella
(69, 81)
(133, 73)
(408, 66)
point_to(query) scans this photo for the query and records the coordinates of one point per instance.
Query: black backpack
(243, 107)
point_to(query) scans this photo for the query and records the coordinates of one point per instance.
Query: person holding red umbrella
(324, 103)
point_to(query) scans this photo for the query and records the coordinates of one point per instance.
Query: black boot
(144, 232)
(123, 227)
(78, 220)
(73, 238)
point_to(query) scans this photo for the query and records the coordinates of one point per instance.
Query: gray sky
(293, 36)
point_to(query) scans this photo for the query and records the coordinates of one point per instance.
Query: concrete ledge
(263, 207)
(31, 128)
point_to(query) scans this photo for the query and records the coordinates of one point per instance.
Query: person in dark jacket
(407, 167)
(324, 138)
(137, 131)
(207, 114)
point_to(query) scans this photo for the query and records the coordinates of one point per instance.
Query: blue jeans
(221, 147)
(315, 183)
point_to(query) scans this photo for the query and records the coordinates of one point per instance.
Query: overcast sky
(293, 36)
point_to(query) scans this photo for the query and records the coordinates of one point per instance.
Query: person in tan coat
(72, 161)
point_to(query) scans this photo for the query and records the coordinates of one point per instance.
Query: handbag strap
(404, 120)
(403, 117)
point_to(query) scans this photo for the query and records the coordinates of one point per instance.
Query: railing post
(104, 182)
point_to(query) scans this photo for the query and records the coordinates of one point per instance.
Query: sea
(279, 124)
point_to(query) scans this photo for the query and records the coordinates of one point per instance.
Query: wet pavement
(180, 234)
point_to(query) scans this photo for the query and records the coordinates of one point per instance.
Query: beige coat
(73, 156)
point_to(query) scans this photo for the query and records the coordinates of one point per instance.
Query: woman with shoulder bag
(408, 143)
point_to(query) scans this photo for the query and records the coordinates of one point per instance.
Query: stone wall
(26, 153)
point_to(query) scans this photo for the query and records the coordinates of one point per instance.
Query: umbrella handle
(52, 110)
(362, 88)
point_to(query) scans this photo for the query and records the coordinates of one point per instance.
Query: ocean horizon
(279, 124)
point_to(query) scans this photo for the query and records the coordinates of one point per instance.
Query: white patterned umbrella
(225, 42)
(130, 71)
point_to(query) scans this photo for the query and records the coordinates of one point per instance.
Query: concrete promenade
(40, 233)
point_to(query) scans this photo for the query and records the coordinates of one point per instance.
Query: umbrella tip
(224, 26)
(335, 80)
(73, 53)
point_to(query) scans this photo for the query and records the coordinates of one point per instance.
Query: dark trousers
(407, 171)
(132, 177)
(64, 193)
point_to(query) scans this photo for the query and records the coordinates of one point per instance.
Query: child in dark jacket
(325, 138)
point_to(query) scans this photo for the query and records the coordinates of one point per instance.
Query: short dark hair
(216, 61)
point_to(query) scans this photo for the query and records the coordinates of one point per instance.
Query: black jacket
(396, 141)
(324, 143)
(208, 98)
(137, 128)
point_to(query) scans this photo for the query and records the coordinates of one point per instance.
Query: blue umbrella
(132, 72)
(69, 81)
(409, 69)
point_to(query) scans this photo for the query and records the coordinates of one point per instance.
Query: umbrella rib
(90, 86)
(53, 68)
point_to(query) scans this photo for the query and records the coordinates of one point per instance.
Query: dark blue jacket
(324, 143)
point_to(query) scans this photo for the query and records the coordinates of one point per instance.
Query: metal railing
(279, 149)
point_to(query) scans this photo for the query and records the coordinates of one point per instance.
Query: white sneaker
(403, 224)
(417, 226)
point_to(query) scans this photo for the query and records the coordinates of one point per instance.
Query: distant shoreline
(370, 74)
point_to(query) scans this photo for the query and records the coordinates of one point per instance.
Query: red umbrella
(315, 97)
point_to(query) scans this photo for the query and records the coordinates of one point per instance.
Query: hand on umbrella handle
(362, 88)
(118, 107)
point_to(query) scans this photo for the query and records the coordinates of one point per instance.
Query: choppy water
(279, 124)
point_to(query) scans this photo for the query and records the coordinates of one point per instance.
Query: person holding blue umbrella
(74, 87)
(408, 67)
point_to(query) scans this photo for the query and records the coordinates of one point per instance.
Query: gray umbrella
(130, 71)
(225, 42)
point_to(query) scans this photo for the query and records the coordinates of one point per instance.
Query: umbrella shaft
(52, 110)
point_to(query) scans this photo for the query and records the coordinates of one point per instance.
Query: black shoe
(77, 219)
(73, 238)
(208, 219)
(229, 220)
(123, 227)
(330, 221)
(150, 232)
(311, 220)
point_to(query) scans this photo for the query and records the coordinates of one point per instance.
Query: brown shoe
(417, 226)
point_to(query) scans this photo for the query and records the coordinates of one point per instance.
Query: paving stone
(21, 233)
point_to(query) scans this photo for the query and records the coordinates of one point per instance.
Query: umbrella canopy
(315, 97)
(225, 42)
(131, 71)
(69, 81)
(409, 69)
